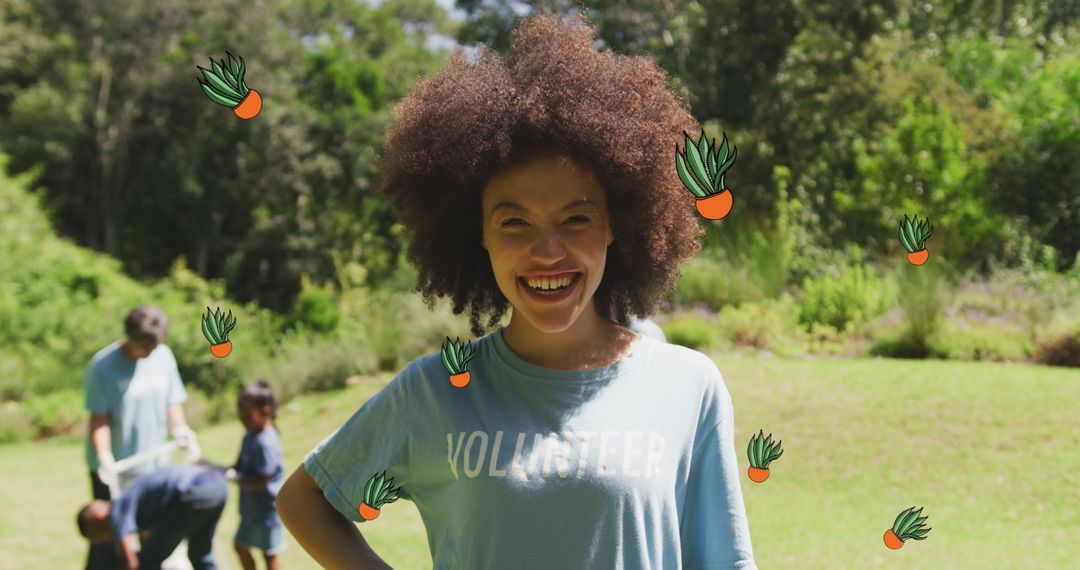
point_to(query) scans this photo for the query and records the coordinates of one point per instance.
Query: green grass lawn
(988, 449)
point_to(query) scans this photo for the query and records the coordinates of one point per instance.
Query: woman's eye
(570, 220)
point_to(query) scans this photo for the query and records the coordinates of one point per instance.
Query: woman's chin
(550, 320)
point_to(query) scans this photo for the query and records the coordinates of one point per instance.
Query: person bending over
(161, 509)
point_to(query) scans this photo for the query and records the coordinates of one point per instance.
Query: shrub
(983, 341)
(690, 330)
(738, 264)
(1064, 350)
(316, 310)
(310, 365)
(60, 303)
(765, 325)
(56, 413)
(716, 283)
(905, 342)
(844, 297)
(923, 297)
(825, 339)
(15, 424)
(398, 327)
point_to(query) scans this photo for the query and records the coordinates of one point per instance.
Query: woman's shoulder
(678, 354)
(428, 367)
(682, 362)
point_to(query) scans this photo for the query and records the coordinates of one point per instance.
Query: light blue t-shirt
(136, 395)
(631, 465)
(261, 455)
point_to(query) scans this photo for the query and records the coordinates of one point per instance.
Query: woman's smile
(551, 289)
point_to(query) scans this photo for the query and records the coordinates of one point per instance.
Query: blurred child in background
(260, 472)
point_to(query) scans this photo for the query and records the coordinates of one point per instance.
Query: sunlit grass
(984, 448)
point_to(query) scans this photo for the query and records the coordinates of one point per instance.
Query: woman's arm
(329, 538)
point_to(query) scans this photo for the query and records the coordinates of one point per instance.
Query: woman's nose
(548, 247)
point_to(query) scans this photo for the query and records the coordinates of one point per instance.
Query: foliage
(690, 330)
(923, 292)
(983, 341)
(315, 309)
(60, 304)
(844, 297)
(136, 162)
(739, 264)
(307, 364)
(921, 167)
(767, 325)
(1061, 351)
(393, 323)
(1037, 178)
(848, 116)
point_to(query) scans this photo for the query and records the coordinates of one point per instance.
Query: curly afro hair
(556, 94)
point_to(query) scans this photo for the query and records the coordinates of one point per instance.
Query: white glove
(183, 436)
(230, 474)
(185, 439)
(194, 454)
(106, 470)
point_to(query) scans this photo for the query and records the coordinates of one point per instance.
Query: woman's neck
(591, 342)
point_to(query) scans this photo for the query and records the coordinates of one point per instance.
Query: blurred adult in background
(134, 395)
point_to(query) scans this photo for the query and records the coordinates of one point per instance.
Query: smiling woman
(613, 126)
(557, 177)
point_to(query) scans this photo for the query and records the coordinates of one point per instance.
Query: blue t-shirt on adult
(631, 465)
(136, 395)
(261, 455)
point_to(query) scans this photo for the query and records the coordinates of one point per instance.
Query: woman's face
(546, 228)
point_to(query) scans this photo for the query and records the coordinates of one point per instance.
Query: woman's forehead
(544, 184)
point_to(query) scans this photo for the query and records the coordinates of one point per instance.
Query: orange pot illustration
(455, 358)
(377, 492)
(908, 525)
(216, 329)
(224, 84)
(762, 451)
(702, 171)
(913, 236)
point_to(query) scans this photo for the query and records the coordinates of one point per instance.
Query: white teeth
(548, 283)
